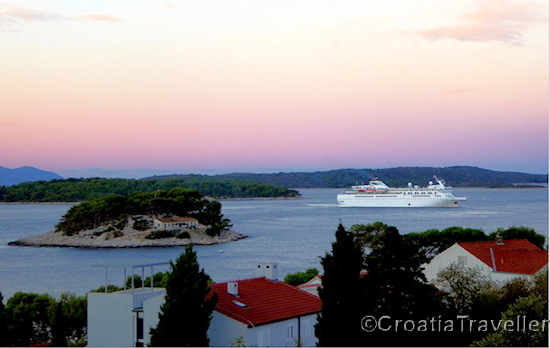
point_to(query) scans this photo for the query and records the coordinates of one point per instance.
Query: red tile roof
(266, 301)
(513, 256)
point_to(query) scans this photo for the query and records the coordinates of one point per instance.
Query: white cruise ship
(378, 194)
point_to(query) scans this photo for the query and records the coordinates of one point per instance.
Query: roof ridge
(239, 280)
(296, 288)
(493, 241)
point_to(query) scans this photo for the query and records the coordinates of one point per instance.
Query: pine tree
(3, 323)
(186, 312)
(395, 286)
(59, 326)
(338, 323)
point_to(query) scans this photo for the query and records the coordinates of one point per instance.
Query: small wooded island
(142, 219)
(76, 190)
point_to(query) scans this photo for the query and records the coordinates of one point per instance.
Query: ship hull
(373, 201)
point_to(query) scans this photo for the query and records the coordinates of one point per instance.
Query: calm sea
(293, 233)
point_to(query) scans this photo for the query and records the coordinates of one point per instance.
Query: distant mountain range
(16, 176)
(458, 176)
(455, 176)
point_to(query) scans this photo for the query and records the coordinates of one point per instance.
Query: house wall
(170, 226)
(224, 331)
(451, 255)
(111, 322)
(281, 334)
(314, 290)
(502, 277)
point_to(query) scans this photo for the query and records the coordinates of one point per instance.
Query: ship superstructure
(378, 194)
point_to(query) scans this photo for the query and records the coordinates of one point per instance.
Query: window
(462, 260)
(291, 331)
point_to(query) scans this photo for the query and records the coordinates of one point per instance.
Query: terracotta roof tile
(513, 256)
(266, 301)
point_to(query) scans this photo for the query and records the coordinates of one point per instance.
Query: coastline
(257, 198)
(58, 240)
(38, 203)
(286, 198)
(211, 198)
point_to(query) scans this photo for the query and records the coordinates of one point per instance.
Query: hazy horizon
(136, 173)
(264, 85)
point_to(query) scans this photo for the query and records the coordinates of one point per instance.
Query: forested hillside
(74, 190)
(454, 176)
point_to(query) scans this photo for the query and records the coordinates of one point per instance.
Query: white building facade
(174, 223)
(123, 318)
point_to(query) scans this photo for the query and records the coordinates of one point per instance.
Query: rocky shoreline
(107, 237)
(53, 239)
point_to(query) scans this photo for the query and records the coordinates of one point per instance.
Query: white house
(174, 223)
(118, 319)
(260, 311)
(501, 261)
(263, 312)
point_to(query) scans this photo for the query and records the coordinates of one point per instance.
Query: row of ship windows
(417, 193)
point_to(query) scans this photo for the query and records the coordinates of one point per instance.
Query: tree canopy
(187, 309)
(456, 176)
(75, 190)
(30, 318)
(301, 277)
(116, 208)
(434, 241)
(338, 321)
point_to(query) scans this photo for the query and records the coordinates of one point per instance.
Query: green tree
(533, 308)
(187, 309)
(463, 285)
(433, 241)
(365, 234)
(541, 284)
(59, 328)
(520, 233)
(395, 286)
(338, 321)
(72, 321)
(3, 323)
(298, 278)
(28, 318)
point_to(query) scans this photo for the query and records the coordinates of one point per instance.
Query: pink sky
(258, 85)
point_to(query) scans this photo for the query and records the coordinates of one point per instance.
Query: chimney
(268, 270)
(499, 238)
(233, 288)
